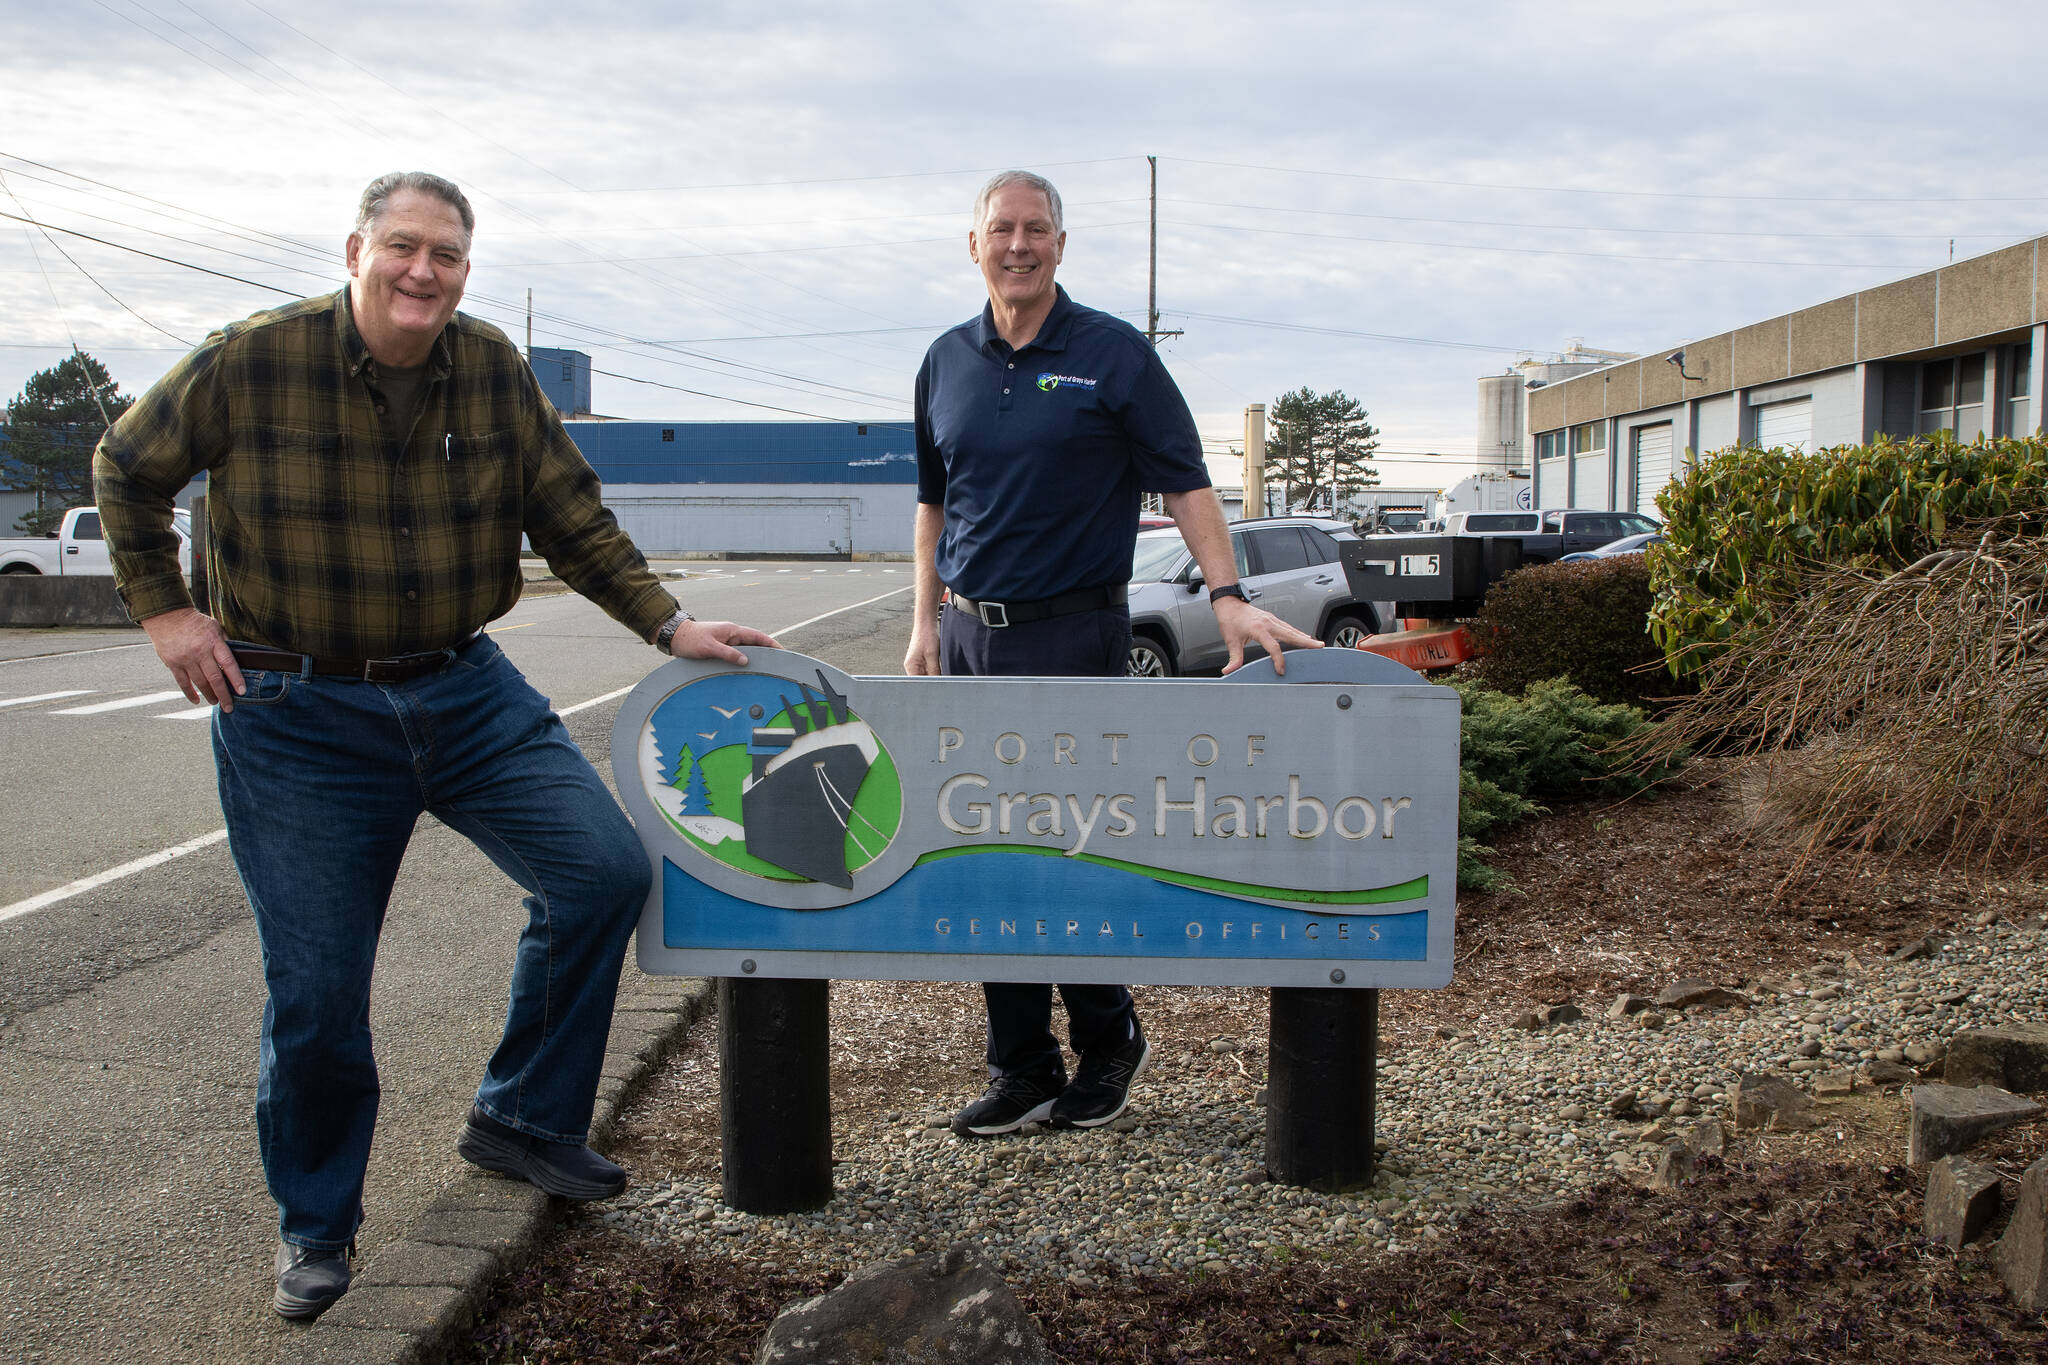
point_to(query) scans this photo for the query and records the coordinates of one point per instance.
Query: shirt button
(412, 597)
(405, 530)
(1005, 390)
(380, 409)
(1013, 364)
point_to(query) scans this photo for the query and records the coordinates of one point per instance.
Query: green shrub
(1587, 622)
(1554, 741)
(1742, 523)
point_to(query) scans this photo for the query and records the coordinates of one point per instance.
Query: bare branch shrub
(1901, 710)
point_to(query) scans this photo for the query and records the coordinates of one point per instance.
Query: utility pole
(1152, 332)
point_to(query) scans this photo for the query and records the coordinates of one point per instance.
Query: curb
(406, 1306)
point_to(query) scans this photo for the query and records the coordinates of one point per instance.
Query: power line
(75, 266)
(1540, 250)
(1622, 194)
(1601, 227)
(1346, 332)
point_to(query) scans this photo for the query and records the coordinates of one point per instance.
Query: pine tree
(696, 796)
(53, 426)
(1321, 440)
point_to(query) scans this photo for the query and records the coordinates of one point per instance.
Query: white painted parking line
(150, 699)
(47, 696)
(71, 653)
(196, 713)
(83, 884)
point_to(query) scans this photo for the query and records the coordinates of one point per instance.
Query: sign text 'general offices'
(805, 823)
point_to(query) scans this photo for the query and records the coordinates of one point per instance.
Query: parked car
(1627, 545)
(1288, 565)
(79, 546)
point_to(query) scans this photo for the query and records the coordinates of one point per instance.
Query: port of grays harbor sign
(1250, 831)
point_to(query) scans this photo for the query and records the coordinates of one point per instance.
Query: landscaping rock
(1948, 1119)
(2010, 1058)
(1962, 1200)
(1885, 1073)
(1693, 994)
(1675, 1165)
(1829, 1084)
(1706, 1138)
(951, 1308)
(2023, 1251)
(1546, 1015)
(1624, 1005)
(1772, 1102)
(1923, 946)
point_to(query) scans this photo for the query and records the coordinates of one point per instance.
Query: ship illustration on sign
(798, 801)
(787, 790)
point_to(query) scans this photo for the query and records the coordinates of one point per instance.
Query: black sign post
(775, 1100)
(1319, 1087)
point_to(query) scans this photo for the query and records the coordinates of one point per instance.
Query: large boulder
(1948, 1119)
(949, 1310)
(1962, 1200)
(2023, 1251)
(2010, 1058)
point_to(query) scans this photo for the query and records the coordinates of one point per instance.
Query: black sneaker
(1102, 1085)
(1009, 1104)
(567, 1170)
(309, 1280)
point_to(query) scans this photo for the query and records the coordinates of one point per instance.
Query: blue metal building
(843, 489)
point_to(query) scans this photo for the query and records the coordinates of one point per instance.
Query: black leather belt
(1066, 604)
(394, 670)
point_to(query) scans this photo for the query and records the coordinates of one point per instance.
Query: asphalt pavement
(137, 1225)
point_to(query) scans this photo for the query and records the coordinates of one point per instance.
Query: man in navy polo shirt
(1039, 424)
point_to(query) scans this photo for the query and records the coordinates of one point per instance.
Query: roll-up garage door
(1787, 425)
(1652, 466)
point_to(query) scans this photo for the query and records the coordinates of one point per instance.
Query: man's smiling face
(1017, 249)
(407, 272)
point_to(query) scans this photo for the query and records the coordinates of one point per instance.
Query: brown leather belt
(1066, 604)
(395, 670)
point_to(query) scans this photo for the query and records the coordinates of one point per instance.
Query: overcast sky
(734, 204)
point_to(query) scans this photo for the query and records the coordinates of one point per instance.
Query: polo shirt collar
(440, 361)
(1052, 333)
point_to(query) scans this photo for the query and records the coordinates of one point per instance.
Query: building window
(1549, 444)
(668, 433)
(1589, 438)
(1952, 396)
(2019, 409)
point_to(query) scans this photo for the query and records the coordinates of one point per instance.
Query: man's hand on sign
(192, 646)
(1245, 625)
(715, 640)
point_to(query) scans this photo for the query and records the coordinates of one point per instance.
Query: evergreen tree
(696, 797)
(53, 426)
(1319, 440)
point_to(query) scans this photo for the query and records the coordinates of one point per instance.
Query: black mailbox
(1438, 577)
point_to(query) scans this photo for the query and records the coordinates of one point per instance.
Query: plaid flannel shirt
(323, 538)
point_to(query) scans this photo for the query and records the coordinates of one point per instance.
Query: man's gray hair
(420, 182)
(1002, 180)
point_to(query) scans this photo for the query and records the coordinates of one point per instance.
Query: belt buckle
(995, 614)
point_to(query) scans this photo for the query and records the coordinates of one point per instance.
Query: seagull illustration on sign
(727, 714)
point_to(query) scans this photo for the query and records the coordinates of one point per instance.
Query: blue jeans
(322, 780)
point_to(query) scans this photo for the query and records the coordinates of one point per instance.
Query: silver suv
(1288, 565)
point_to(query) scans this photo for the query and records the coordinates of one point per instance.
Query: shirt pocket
(483, 476)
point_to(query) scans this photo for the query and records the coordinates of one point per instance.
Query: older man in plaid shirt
(373, 458)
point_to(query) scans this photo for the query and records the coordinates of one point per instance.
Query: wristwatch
(666, 635)
(1228, 590)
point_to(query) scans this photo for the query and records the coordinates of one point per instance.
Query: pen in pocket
(447, 445)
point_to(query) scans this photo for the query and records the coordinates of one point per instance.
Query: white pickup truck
(79, 546)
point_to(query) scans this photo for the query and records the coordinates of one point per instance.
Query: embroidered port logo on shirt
(1050, 381)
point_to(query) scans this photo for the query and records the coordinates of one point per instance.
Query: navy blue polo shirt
(1038, 455)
